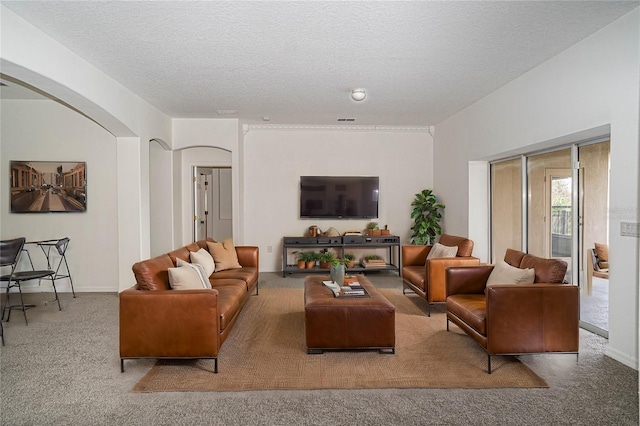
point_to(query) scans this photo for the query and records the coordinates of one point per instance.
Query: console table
(340, 245)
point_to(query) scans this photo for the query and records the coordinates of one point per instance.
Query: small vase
(337, 274)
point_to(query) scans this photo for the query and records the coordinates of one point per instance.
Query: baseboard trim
(622, 357)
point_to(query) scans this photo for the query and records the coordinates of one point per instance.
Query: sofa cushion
(503, 273)
(440, 250)
(224, 254)
(229, 298)
(202, 257)
(470, 308)
(547, 270)
(152, 274)
(416, 275)
(186, 277)
(465, 245)
(247, 274)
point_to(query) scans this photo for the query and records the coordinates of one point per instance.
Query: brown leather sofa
(158, 322)
(512, 319)
(426, 277)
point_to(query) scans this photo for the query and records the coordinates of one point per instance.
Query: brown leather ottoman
(347, 323)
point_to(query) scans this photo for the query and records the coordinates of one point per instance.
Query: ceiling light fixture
(358, 95)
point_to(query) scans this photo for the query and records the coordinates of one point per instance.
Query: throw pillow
(503, 273)
(438, 250)
(185, 277)
(202, 274)
(203, 257)
(224, 255)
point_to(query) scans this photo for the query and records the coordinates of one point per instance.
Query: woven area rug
(266, 350)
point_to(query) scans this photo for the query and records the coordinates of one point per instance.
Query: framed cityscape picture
(48, 186)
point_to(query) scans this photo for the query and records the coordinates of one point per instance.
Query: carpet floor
(267, 351)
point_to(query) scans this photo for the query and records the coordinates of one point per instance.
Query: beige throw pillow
(439, 250)
(503, 273)
(203, 257)
(224, 255)
(187, 276)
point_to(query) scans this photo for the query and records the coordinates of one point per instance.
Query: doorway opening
(212, 203)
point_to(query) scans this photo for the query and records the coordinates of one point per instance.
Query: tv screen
(339, 197)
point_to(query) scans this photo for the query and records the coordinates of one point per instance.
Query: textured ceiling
(296, 62)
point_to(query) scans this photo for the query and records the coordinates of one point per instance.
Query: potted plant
(349, 260)
(373, 229)
(326, 259)
(303, 257)
(426, 215)
(310, 259)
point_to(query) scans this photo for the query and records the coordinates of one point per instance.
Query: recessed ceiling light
(226, 111)
(346, 119)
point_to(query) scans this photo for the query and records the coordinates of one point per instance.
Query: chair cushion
(416, 275)
(465, 245)
(513, 257)
(470, 308)
(547, 270)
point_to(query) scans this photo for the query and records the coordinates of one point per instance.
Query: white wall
(275, 159)
(591, 85)
(47, 131)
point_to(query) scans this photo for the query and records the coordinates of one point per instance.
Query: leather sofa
(158, 322)
(512, 319)
(426, 277)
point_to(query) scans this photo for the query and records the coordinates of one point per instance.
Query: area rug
(266, 350)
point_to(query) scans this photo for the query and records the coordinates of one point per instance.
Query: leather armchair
(510, 319)
(427, 277)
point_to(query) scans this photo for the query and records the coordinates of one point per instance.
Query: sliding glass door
(557, 208)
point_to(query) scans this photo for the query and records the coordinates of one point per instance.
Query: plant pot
(377, 232)
(301, 264)
(351, 264)
(385, 232)
(325, 265)
(310, 264)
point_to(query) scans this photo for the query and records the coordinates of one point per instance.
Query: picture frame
(48, 186)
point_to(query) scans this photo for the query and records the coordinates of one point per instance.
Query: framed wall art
(48, 186)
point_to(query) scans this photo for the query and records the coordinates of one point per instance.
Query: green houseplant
(426, 215)
(326, 259)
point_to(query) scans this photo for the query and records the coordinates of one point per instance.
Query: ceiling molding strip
(248, 127)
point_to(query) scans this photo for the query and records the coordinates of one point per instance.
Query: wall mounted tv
(48, 186)
(339, 197)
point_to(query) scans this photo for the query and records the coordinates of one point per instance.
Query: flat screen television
(339, 197)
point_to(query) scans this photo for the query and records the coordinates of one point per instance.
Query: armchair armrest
(414, 255)
(532, 318)
(248, 256)
(467, 279)
(436, 274)
(169, 323)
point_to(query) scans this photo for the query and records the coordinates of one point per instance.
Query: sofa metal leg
(447, 323)
(428, 309)
(215, 365)
(489, 363)
(122, 365)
